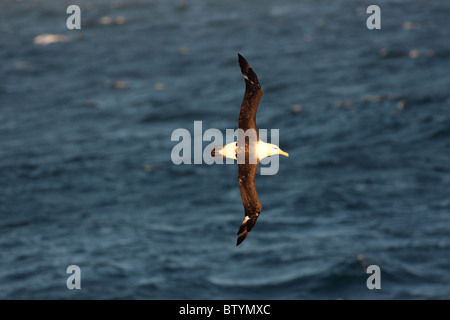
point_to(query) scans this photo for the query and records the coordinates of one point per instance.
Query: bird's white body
(263, 150)
(226, 151)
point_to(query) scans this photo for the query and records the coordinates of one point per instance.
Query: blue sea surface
(86, 176)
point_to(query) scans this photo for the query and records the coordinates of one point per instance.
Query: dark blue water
(86, 176)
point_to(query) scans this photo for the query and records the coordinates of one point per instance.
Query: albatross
(249, 151)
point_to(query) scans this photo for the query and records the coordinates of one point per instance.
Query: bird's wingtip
(247, 71)
(242, 236)
(245, 228)
(243, 64)
(240, 239)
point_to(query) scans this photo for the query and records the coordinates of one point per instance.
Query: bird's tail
(216, 152)
(227, 151)
(246, 227)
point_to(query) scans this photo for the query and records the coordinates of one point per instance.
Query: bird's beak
(284, 153)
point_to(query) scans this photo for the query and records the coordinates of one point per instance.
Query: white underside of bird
(263, 150)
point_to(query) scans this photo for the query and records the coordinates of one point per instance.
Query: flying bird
(248, 151)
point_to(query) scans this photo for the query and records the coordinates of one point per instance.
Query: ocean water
(86, 176)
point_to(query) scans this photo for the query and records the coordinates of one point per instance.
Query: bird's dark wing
(250, 200)
(253, 94)
(247, 170)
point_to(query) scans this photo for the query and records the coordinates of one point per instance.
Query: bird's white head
(274, 149)
(268, 149)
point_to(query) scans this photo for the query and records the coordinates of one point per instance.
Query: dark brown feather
(250, 200)
(247, 171)
(252, 96)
